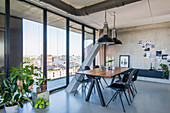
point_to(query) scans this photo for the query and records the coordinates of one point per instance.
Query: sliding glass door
(56, 51)
(75, 57)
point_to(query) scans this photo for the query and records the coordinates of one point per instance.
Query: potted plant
(38, 88)
(101, 66)
(165, 70)
(11, 96)
(15, 89)
(41, 103)
(42, 83)
(109, 61)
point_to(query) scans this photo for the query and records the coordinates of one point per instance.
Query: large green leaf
(6, 83)
(26, 98)
(17, 97)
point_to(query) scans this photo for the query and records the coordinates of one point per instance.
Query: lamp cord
(114, 19)
(105, 15)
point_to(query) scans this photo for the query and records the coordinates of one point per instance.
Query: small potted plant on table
(42, 83)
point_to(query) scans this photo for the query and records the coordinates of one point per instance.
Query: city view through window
(56, 49)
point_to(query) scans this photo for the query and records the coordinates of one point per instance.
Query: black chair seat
(117, 85)
(86, 80)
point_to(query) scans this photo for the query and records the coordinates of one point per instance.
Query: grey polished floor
(151, 98)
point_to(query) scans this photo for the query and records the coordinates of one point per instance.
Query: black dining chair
(133, 81)
(85, 81)
(132, 85)
(120, 88)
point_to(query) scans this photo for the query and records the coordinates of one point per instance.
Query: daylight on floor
(84, 56)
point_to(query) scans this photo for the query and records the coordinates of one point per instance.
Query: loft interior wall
(158, 34)
(16, 56)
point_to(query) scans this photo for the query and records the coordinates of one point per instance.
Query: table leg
(119, 76)
(100, 93)
(90, 90)
(113, 78)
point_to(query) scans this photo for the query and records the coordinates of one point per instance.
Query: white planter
(11, 109)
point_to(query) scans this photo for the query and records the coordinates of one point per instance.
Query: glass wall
(32, 33)
(88, 41)
(75, 57)
(56, 51)
(2, 35)
(32, 18)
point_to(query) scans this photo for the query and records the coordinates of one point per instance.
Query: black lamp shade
(105, 40)
(117, 41)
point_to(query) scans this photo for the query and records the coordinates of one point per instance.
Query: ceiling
(130, 15)
(134, 14)
(81, 3)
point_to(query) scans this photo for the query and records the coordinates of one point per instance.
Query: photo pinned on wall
(158, 53)
(144, 55)
(164, 56)
(124, 61)
(147, 49)
(148, 44)
(140, 42)
(152, 46)
(168, 58)
(147, 56)
(153, 51)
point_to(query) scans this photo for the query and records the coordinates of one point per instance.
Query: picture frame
(164, 56)
(124, 61)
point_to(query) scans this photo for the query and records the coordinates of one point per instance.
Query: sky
(56, 40)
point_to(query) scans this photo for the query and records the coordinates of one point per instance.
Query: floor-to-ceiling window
(88, 41)
(32, 27)
(56, 51)
(32, 18)
(2, 35)
(75, 56)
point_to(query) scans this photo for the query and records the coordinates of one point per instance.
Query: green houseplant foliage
(10, 92)
(41, 103)
(165, 69)
(109, 61)
(42, 81)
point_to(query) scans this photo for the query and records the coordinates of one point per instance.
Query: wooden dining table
(96, 74)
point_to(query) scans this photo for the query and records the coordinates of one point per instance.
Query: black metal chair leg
(135, 87)
(131, 91)
(115, 96)
(111, 99)
(122, 102)
(126, 98)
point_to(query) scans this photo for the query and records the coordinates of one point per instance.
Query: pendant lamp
(105, 39)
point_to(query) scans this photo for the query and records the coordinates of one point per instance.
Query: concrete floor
(151, 98)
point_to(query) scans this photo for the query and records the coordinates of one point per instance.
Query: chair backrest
(87, 68)
(135, 75)
(96, 66)
(130, 77)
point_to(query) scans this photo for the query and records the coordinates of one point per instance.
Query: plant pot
(11, 109)
(43, 87)
(41, 110)
(38, 89)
